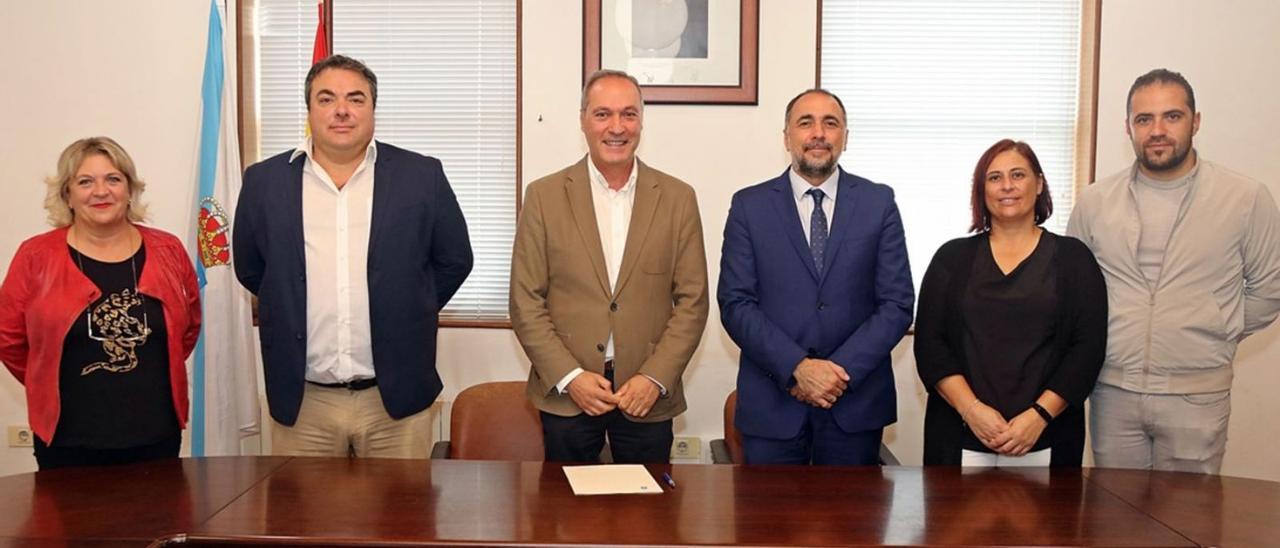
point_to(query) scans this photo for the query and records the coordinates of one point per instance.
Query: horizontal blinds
(929, 85)
(284, 31)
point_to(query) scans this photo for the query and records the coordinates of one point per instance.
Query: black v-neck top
(1010, 329)
(1041, 327)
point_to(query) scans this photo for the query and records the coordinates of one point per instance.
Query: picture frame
(681, 51)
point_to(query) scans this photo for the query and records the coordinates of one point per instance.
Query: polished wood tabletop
(381, 502)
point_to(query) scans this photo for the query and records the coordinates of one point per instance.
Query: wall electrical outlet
(20, 436)
(686, 447)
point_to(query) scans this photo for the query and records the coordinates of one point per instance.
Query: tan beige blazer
(562, 309)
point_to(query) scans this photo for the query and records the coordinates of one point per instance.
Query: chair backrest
(732, 439)
(495, 421)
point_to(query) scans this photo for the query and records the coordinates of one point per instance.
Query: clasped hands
(1013, 438)
(594, 394)
(819, 382)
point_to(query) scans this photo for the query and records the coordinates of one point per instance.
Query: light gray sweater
(1219, 281)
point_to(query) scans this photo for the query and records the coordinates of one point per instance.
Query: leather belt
(608, 373)
(354, 386)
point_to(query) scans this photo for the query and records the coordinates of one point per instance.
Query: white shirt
(335, 234)
(804, 202)
(613, 218)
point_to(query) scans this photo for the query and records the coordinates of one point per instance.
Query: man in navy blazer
(352, 248)
(816, 290)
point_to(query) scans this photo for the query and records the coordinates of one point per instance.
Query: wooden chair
(493, 421)
(729, 449)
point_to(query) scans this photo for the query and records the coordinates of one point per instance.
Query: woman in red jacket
(97, 318)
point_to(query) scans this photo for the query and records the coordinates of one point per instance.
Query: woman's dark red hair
(978, 197)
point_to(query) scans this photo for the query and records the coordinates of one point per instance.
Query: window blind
(929, 85)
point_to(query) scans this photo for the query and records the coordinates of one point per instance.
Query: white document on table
(611, 479)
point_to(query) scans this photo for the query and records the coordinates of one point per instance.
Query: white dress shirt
(804, 202)
(613, 218)
(335, 233)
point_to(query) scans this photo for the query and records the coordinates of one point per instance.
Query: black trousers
(580, 438)
(48, 458)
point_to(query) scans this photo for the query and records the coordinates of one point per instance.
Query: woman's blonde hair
(55, 199)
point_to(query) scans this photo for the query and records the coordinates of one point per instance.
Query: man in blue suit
(816, 290)
(352, 247)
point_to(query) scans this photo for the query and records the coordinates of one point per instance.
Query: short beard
(1174, 160)
(816, 170)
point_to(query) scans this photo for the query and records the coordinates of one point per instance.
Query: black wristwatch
(1044, 413)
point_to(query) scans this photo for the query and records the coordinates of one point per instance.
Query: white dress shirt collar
(599, 179)
(370, 154)
(804, 203)
(800, 185)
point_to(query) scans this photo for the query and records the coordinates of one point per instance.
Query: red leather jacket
(44, 292)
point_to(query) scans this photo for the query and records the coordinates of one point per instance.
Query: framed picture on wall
(681, 51)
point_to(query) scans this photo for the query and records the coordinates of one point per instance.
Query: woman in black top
(1012, 325)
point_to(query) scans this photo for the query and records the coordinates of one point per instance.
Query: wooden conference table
(374, 502)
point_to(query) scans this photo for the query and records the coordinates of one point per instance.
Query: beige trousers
(337, 422)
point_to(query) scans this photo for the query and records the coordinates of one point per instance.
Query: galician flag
(224, 380)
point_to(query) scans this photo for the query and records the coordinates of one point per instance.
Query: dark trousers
(48, 458)
(581, 438)
(820, 441)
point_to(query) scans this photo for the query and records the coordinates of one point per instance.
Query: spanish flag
(321, 48)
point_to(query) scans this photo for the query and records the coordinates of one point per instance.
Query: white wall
(131, 69)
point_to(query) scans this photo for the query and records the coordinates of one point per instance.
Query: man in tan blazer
(609, 289)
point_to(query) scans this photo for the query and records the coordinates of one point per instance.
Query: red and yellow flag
(321, 48)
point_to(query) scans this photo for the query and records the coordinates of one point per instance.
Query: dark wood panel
(1210, 510)
(316, 501)
(531, 503)
(68, 543)
(142, 501)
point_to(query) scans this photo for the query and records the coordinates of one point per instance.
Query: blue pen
(667, 478)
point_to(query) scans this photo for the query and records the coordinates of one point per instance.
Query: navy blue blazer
(778, 309)
(419, 254)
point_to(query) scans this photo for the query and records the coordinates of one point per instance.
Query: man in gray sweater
(1191, 255)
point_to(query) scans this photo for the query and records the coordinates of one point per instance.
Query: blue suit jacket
(419, 254)
(778, 309)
